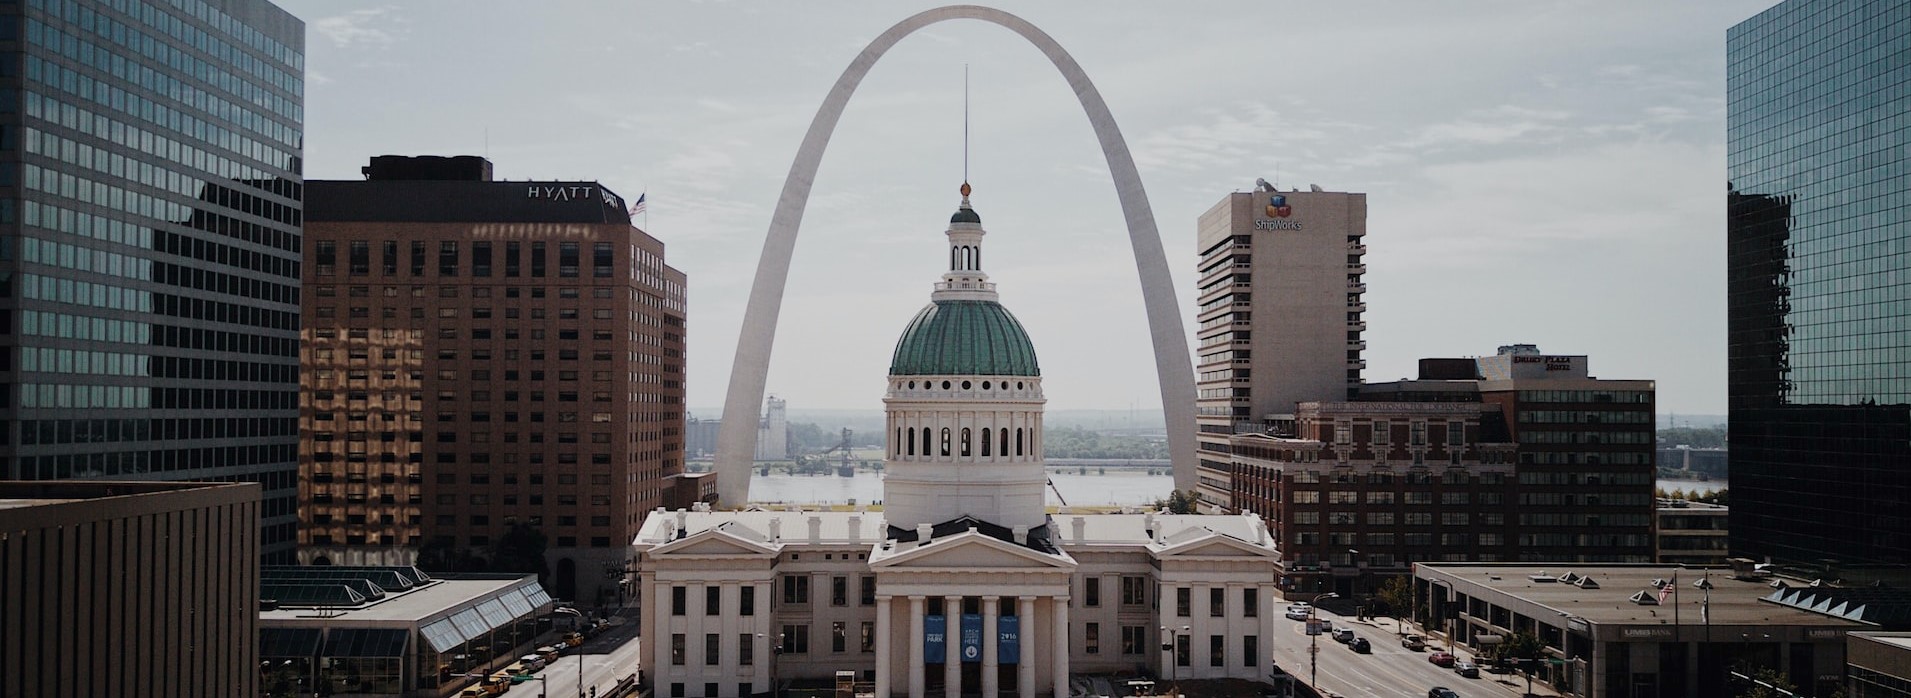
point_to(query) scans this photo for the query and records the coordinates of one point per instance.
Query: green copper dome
(964, 338)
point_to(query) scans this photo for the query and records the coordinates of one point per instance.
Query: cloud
(1496, 126)
(360, 28)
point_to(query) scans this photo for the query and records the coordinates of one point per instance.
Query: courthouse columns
(882, 646)
(1060, 637)
(952, 644)
(1025, 670)
(917, 605)
(990, 674)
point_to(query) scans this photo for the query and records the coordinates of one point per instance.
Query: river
(1120, 487)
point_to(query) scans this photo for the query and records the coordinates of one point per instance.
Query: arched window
(945, 441)
(965, 442)
(927, 449)
(1005, 442)
(985, 442)
(1018, 441)
(912, 441)
(952, 258)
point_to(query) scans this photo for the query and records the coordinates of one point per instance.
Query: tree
(1521, 645)
(1766, 683)
(1395, 596)
(1179, 502)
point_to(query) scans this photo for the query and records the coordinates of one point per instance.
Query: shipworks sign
(1277, 211)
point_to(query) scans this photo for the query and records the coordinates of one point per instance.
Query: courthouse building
(963, 584)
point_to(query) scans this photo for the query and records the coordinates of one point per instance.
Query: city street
(607, 658)
(1391, 671)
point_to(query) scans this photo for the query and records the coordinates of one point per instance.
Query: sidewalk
(1513, 682)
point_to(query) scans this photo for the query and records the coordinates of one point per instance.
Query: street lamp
(776, 650)
(580, 655)
(1173, 647)
(1313, 640)
(1360, 610)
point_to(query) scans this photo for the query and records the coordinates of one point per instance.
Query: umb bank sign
(1277, 212)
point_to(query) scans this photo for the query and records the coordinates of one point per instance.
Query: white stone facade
(1124, 575)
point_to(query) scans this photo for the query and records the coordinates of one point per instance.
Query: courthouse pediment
(972, 551)
(1208, 544)
(717, 542)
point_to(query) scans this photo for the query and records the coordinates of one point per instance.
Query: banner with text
(1008, 641)
(934, 635)
(971, 638)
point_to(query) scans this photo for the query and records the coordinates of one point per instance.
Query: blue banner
(934, 637)
(1008, 640)
(971, 638)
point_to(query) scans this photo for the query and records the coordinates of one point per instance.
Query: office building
(963, 584)
(129, 588)
(486, 359)
(1280, 312)
(1692, 533)
(394, 631)
(1585, 469)
(1616, 631)
(152, 187)
(1819, 334)
(1362, 490)
(1878, 665)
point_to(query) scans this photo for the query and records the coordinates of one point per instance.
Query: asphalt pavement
(1391, 671)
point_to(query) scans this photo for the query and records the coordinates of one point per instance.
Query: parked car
(1442, 692)
(1413, 642)
(473, 692)
(1466, 668)
(573, 639)
(532, 662)
(1299, 611)
(1445, 659)
(1361, 645)
(550, 652)
(1343, 635)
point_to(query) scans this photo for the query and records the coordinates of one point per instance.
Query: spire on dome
(963, 213)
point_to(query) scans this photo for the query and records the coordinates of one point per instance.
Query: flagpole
(1675, 604)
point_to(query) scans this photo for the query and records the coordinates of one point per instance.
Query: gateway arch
(736, 438)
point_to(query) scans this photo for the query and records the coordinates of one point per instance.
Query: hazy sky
(1539, 172)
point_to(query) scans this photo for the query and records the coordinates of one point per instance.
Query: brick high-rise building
(484, 355)
(151, 207)
(1365, 489)
(1280, 297)
(1585, 448)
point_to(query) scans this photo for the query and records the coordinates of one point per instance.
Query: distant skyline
(1547, 174)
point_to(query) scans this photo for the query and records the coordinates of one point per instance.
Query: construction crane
(1057, 491)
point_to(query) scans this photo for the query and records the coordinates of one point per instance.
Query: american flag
(1666, 590)
(638, 208)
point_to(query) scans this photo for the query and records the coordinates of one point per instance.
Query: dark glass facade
(1819, 283)
(150, 244)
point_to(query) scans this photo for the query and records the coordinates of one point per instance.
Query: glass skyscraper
(1819, 283)
(149, 244)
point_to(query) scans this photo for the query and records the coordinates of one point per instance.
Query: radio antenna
(965, 123)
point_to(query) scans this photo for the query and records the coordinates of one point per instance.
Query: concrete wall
(129, 589)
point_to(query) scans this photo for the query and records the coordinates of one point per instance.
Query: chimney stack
(1080, 526)
(816, 528)
(923, 533)
(1021, 535)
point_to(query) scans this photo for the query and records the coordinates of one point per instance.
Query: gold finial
(965, 190)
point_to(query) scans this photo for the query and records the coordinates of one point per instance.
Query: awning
(1486, 639)
(365, 642)
(443, 635)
